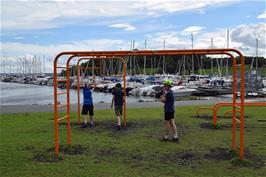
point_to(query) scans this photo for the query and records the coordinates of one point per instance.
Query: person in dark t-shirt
(169, 110)
(118, 101)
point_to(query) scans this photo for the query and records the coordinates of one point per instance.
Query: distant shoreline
(6, 109)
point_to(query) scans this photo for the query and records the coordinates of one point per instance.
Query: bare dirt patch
(44, 157)
(219, 154)
(73, 149)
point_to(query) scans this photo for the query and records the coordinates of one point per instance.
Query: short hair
(118, 85)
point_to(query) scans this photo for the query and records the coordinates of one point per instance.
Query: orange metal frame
(124, 79)
(153, 53)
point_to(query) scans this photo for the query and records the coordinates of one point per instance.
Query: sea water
(29, 94)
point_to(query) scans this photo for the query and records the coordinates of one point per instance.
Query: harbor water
(29, 94)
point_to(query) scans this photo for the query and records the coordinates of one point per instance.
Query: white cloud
(247, 34)
(18, 37)
(263, 15)
(192, 29)
(157, 7)
(21, 50)
(52, 14)
(242, 37)
(125, 26)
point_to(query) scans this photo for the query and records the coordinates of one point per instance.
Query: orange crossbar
(62, 105)
(62, 118)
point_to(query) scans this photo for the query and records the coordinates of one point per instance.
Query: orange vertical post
(234, 107)
(55, 107)
(242, 106)
(125, 93)
(78, 91)
(68, 102)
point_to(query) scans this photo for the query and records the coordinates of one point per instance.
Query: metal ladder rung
(63, 66)
(61, 93)
(90, 67)
(62, 118)
(237, 120)
(237, 106)
(62, 80)
(60, 106)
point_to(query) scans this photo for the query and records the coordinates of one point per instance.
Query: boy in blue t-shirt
(169, 111)
(87, 106)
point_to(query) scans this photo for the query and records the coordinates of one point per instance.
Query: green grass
(104, 151)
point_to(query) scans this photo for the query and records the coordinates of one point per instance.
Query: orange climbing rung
(62, 118)
(61, 93)
(237, 106)
(60, 106)
(237, 120)
(62, 80)
(85, 68)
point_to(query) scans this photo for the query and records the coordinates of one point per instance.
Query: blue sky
(47, 27)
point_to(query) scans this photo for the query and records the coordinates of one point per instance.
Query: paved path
(50, 108)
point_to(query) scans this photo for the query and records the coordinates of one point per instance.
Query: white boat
(181, 91)
(150, 90)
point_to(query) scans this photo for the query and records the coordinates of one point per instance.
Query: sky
(44, 28)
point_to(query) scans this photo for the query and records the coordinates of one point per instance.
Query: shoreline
(9, 109)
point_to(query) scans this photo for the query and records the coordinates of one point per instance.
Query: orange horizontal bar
(62, 80)
(237, 120)
(62, 105)
(62, 118)
(61, 93)
(90, 67)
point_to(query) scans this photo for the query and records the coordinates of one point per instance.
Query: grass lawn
(27, 139)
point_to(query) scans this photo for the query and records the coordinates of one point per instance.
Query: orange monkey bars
(228, 52)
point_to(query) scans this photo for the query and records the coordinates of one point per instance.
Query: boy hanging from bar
(87, 106)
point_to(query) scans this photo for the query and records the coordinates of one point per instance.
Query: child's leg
(118, 115)
(173, 126)
(167, 128)
(118, 120)
(91, 112)
(84, 118)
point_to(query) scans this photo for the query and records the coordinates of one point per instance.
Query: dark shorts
(169, 115)
(118, 110)
(87, 108)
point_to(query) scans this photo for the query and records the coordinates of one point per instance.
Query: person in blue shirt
(87, 106)
(118, 101)
(169, 110)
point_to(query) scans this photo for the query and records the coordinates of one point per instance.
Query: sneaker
(118, 127)
(91, 124)
(176, 140)
(83, 125)
(163, 138)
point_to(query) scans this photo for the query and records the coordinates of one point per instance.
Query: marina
(37, 89)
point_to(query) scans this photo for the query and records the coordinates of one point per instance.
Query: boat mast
(145, 45)
(192, 45)
(227, 58)
(164, 58)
